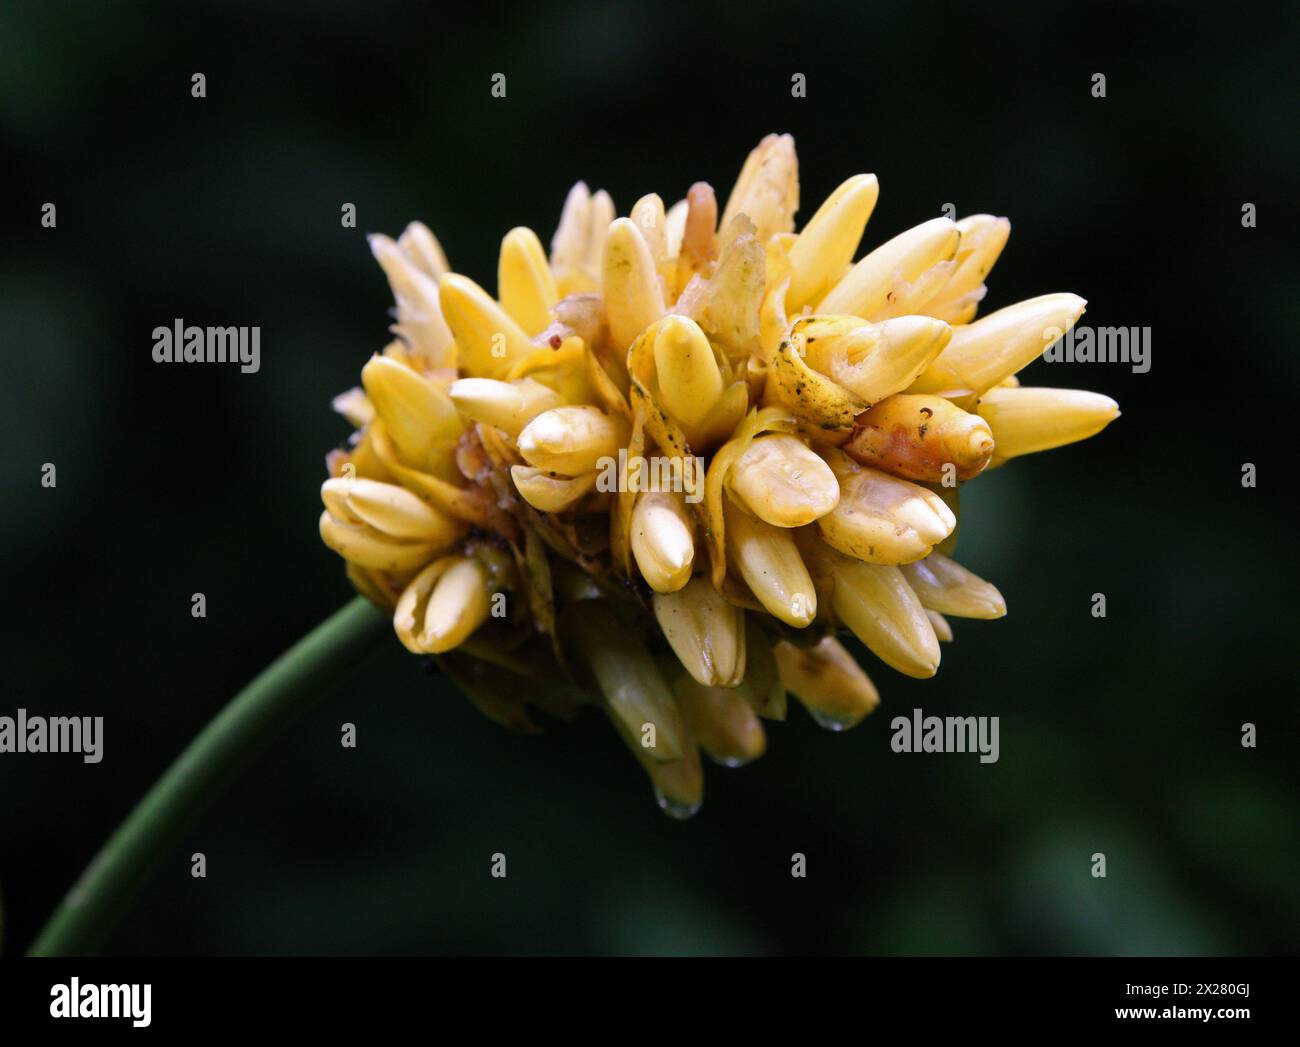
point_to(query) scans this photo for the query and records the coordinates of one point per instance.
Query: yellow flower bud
(882, 519)
(690, 382)
(769, 561)
(633, 298)
(982, 354)
(783, 482)
(873, 361)
(507, 405)
(1036, 419)
(419, 417)
(873, 287)
(923, 438)
(829, 683)
(389, 509)
(723, 722)
(571, 440)
(488, 339)
(663, 540)
(524, 281)
(705, 632)
(982, 239)
(549, 493)
(826, 245)
(421, 247)
(882, 611)
(945, 586)
(441, 606)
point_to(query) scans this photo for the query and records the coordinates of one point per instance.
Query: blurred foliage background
(1119, 735)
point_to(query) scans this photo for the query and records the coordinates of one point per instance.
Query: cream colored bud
(507, 405)
(783, 482)
(871, 287)
(829, 683)
(769, 561)
(663, 540)
(882, 611)
(826, 245)
(549, 493)
(873, 361)
(882, 519)
(572, 439)
(630, 283)
(1030, 419)
(767, 191)
(524, 281)
(417, 414)
(982, 354)
(690, 382)
(705, 632)
(945, 586)
(488, 339)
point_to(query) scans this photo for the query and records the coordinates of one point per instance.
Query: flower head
(663, 468)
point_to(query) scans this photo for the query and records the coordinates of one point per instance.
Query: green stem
(159, 821)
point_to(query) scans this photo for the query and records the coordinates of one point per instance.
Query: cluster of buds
(667, 465)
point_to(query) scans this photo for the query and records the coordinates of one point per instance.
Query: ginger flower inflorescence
(670, 462)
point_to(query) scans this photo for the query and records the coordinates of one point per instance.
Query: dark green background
(1118, 735)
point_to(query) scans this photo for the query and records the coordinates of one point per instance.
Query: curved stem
(159, 821)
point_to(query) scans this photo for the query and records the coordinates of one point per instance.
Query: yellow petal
(549, 493)
(705, 632)
(701, 223)
(1025, 420)
(873, 361)
(882, 611)
(945, 586)
(732, 298)
(569, 244)
(630, 284)
(422, 247)
(663, 540)
(419, 312)
(690, 382)
(769, 561)
(507, 405)
(942, 630)
(826, 245)
(809, 394)
(355, 406)
(982, 239)
(524, 281)
(389, 509)
(783, 482)
(571, 440)
(648, 216)
(408, 615)
(870, 288)
(767, 191)
(636, 696)
(366, 547)
(416, 414)
(882, 519)
(457, 606)
(675, 228)
(488, 339)
(922, 437)
(602, 214)
(982, 354)
(679, 785)
(829, 683)
(723, 722)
